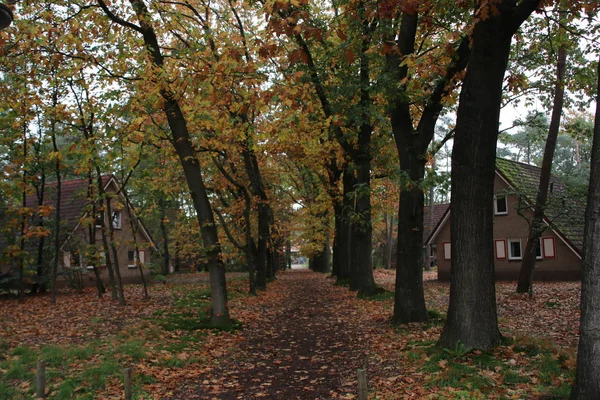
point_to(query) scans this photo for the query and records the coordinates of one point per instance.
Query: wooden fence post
(40, 386)
(128, 391)
(362, 384)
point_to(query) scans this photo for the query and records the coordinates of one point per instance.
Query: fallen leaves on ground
(303, 338)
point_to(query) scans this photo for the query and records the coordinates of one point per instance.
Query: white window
(500, 245)
(514, 249)
(116, 219)
(71, 259)
(132, 258)
(500, 205)
(67, 259)
(447, 250)
(548, 247)
(538, 250)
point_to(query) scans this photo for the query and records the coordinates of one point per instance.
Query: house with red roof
(515, 188)
(81, 233)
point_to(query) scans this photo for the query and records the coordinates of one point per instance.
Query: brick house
(77, 225)
(515, 188)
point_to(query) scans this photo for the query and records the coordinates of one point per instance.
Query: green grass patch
(191, 312)
(512, 377)
(553, 304)
(379, 294)
(95, 376)
(134, 349)
(7, 391)
(342, 282)
(524, 365)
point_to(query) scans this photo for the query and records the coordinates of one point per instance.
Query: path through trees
(311, 348)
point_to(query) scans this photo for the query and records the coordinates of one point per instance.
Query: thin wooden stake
(40, 387)
(362, 384)
(128, 391)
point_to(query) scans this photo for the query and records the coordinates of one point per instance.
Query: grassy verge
(525, 369)
(172, 339)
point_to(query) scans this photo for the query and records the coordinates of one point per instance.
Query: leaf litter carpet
(307, 342)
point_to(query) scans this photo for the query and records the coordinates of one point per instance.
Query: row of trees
(298, 106)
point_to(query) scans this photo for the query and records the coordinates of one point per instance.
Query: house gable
(559, 257)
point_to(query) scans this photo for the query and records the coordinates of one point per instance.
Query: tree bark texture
(389, 241)
(186, 152)
(264, 264)
(181, 140)
(41, 270)
(166, 256)
(361, 276)
(113, 249)
(587, 382)
(409, 299)
(343, 242)
(411, 144)
(91, 193)
(114, 293)
(536, 226)
(472, 316)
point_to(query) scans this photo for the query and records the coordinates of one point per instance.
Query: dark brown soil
(303, 346)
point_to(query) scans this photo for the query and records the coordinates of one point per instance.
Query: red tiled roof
(73, 201)
(438, 212)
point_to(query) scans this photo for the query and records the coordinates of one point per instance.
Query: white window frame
(496, 198)
(509, 245)
(447, 250)
(67, 259)
(117, 223)
(135, 258)
(548, 246)
(541, 251)
(500, 248)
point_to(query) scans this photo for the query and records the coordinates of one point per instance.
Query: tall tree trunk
(361, 277)
(536, 226)
(188, 157)
(345, 230)
(57, 214)
(411, 144)
(320, 261)
(587, 384)
(288, 253)
(472, 317)
(113, 248)
(21, 266)
(264, 267)
(389, 241)
(101, 219)
(91, 194)
(263, 234)
(336, 270)
(166, 256)
(41, 271)
(409, 299)
(134, 227)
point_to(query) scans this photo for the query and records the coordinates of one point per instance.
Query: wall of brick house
(124, 243)
(564, 266)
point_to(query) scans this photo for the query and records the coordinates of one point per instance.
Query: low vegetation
(87, 342)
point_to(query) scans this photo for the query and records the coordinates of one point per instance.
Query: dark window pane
(515, 248)
(501, 204)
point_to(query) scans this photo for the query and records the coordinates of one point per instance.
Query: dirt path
(302, 345)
